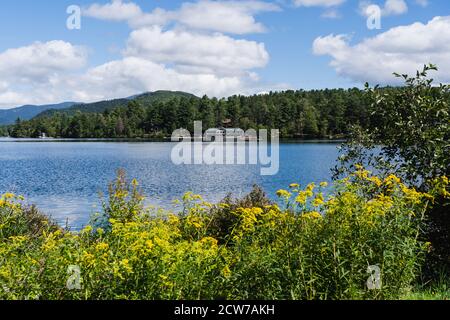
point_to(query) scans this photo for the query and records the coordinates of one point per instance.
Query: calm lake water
(64, 178)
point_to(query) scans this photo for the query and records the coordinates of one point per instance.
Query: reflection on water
(64, 178)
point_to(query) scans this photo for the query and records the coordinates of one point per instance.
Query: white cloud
(318, 3)
(390, 8)
(39, 61)
(184, 48)
(122, 78)
(216, 54)
(132, 74)
(236, 17)
(115, 11)
(190, 55)
(10, 98)
(28, 74)
(3, 86)
(395, 7)
(129, 12)
(401, 49)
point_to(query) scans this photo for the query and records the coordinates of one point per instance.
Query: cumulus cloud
(236, 17)
(190, 49)
(395, 7)
(28, 73)
(129, 12)
(39, 61)
(215, 53)
(401, 49)
(318, 3)
(115, 11)
(390, 8)
(132, 74)
(121, 78)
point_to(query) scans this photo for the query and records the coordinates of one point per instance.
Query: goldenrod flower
(226, 272)
(301, 198)
(312, 215)
(283, 194)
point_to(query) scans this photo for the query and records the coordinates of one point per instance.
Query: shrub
(223, 217)
(19, 220)
(314, 247)
(408, 134)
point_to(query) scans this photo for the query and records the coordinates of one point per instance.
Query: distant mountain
(27, 112)
(97, 107)
(161, 96)
(94, 107)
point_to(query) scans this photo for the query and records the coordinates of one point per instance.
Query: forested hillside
(101, 106)
(299, 114)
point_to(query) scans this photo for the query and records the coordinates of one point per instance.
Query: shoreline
(154, 140)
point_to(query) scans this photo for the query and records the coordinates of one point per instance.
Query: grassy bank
(361, 242)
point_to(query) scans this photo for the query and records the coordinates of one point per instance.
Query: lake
(64, 178)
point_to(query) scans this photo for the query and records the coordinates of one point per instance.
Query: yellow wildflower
(194, 221)
(301, 198)
(209, 241)
(226, 272)
(102, 246)
(149, 244)
(283, 194)
(375, 180)
(318, 201)
(125, 264)
(312, 215)
(88, 259)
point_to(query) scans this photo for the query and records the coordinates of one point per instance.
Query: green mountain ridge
(109, 105)
(27, 112)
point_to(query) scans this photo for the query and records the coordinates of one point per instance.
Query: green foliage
(412, 126)
(298, 114)
(223, 217)
(4, 131)
(313, 248)
(21, 220)
(408, 134)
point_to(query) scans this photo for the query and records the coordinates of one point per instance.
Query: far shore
(167, 140)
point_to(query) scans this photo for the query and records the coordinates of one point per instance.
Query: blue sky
(127, 47)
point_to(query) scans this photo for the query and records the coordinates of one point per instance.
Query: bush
(223, 217)
(408, 134)
(315, 247)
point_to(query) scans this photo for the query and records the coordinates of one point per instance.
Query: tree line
(298, 114)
